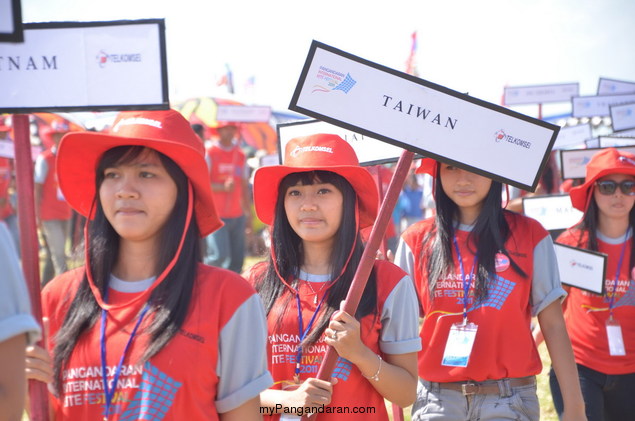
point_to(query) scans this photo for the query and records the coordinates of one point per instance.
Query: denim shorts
(513, 403)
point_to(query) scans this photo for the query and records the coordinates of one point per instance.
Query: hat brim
(427, 166)
(267, 181)
(79, 154)
(581, 195)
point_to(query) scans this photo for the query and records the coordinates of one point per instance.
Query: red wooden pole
(29, 247)
(368, 257)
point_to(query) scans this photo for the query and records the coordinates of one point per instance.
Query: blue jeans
(511, 403)
(226, 246)
(606, 397)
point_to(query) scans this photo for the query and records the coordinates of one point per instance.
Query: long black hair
(588, 228)
(488, 237)
(169, 302)
(289, 256)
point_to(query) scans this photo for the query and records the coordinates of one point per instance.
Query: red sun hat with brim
(164, 131)
(427, 166)
(318, 152)
(606, 162)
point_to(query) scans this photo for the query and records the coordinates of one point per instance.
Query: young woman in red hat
(144, 330)
(481, 274)
(316, 203)
(602, 327)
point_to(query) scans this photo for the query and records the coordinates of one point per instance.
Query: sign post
(73, 66)
(422, 117)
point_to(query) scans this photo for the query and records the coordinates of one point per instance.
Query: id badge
(616, 341)
(459, 345)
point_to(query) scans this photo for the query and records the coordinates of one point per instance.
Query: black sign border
(305, 70)
(18, 31)
(164, 105)
(596, 253)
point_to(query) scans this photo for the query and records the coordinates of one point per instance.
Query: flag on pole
(411, 64)
(227, 79)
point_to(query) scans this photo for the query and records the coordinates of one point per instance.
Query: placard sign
(583, 269)
(82, 66)
(540, 94)
(614, 141)
(573, 162)
(592, 106)
(11, 21)
(615, 87)
(7, 150)
(369, 151)
(623, 116)
(429, 119)
(243, 113)
(554, 212)
(573, 135)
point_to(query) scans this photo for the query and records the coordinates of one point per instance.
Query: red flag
(411, 65)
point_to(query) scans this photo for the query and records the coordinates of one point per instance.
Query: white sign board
(592, 106)
(541, 94)
(429, 119)
(8, 151)
(369, 151)
(11, 21)
(573, 162)
(81, 66)
(573, 135)
(554, 212)
(623, 116)
(614, 141)
(583, 269)
(243, 113)
(615, 87)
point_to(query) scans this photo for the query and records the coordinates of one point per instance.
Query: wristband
(375, 377)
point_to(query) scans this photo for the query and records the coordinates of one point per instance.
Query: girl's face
(466, 189)
(314, 211)
(616, 204)
(138, 197)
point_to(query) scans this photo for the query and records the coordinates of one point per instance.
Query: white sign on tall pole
(615, 87)
(11, 21)
(540, 94)
(430, 119)
(81, 66)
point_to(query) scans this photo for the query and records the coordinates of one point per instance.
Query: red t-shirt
(586, 313)
(352, 391)
(226, 163)
(504, 347)
(181, 382)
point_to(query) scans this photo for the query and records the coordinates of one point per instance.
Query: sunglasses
(608, 187)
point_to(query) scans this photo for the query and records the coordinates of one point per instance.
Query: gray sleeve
(404, 258)
(545, 285)
(400, 320)
(15, 305)
(242, 356)
(41, 170)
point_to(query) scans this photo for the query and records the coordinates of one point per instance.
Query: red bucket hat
(164, 131)
(603, 163)
(427, 166)
(319, 152)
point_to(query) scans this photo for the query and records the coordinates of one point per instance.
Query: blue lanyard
(617, 275)
(110, 392)
(303, 332)
(466, 283)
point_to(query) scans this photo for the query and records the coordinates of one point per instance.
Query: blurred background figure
(18, 329)
(411, 201)
(229, 176)
(52, 211)
(8, 212)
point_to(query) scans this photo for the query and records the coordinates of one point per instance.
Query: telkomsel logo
(103, 58)
(500, 135)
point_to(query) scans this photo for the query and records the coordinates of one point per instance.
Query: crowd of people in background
(458, 249)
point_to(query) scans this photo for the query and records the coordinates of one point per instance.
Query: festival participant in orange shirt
(144, 330)
(481, 273)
